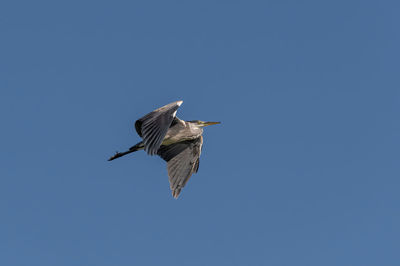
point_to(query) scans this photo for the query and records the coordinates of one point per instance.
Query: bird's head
(202, 123)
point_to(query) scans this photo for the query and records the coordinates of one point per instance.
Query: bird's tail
(137, 147)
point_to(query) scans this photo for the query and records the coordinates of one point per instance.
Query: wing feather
(154, 126)
(182, 161)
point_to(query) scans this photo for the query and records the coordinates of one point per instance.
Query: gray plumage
(183, 160)
(177, 141)
(154, 126)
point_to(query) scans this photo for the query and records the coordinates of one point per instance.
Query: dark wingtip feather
(176, 192)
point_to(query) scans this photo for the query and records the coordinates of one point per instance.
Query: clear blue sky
(303, 170)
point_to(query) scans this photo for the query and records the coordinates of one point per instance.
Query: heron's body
(176, 141)
(181, 131)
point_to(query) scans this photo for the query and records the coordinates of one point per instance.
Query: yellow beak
(211, 123)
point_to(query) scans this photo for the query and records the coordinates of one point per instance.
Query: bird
(176, 141)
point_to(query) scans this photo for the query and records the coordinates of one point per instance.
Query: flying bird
(176, 141)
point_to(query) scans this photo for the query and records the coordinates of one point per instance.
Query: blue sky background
(303, 170)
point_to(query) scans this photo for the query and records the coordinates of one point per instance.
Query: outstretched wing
(182, 161)
(154, 126)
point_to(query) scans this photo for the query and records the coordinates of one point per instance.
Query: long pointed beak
(211, 123)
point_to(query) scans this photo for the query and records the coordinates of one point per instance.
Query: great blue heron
(178, 142)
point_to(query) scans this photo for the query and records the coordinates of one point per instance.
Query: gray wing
(154, 126)
(182, 161)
